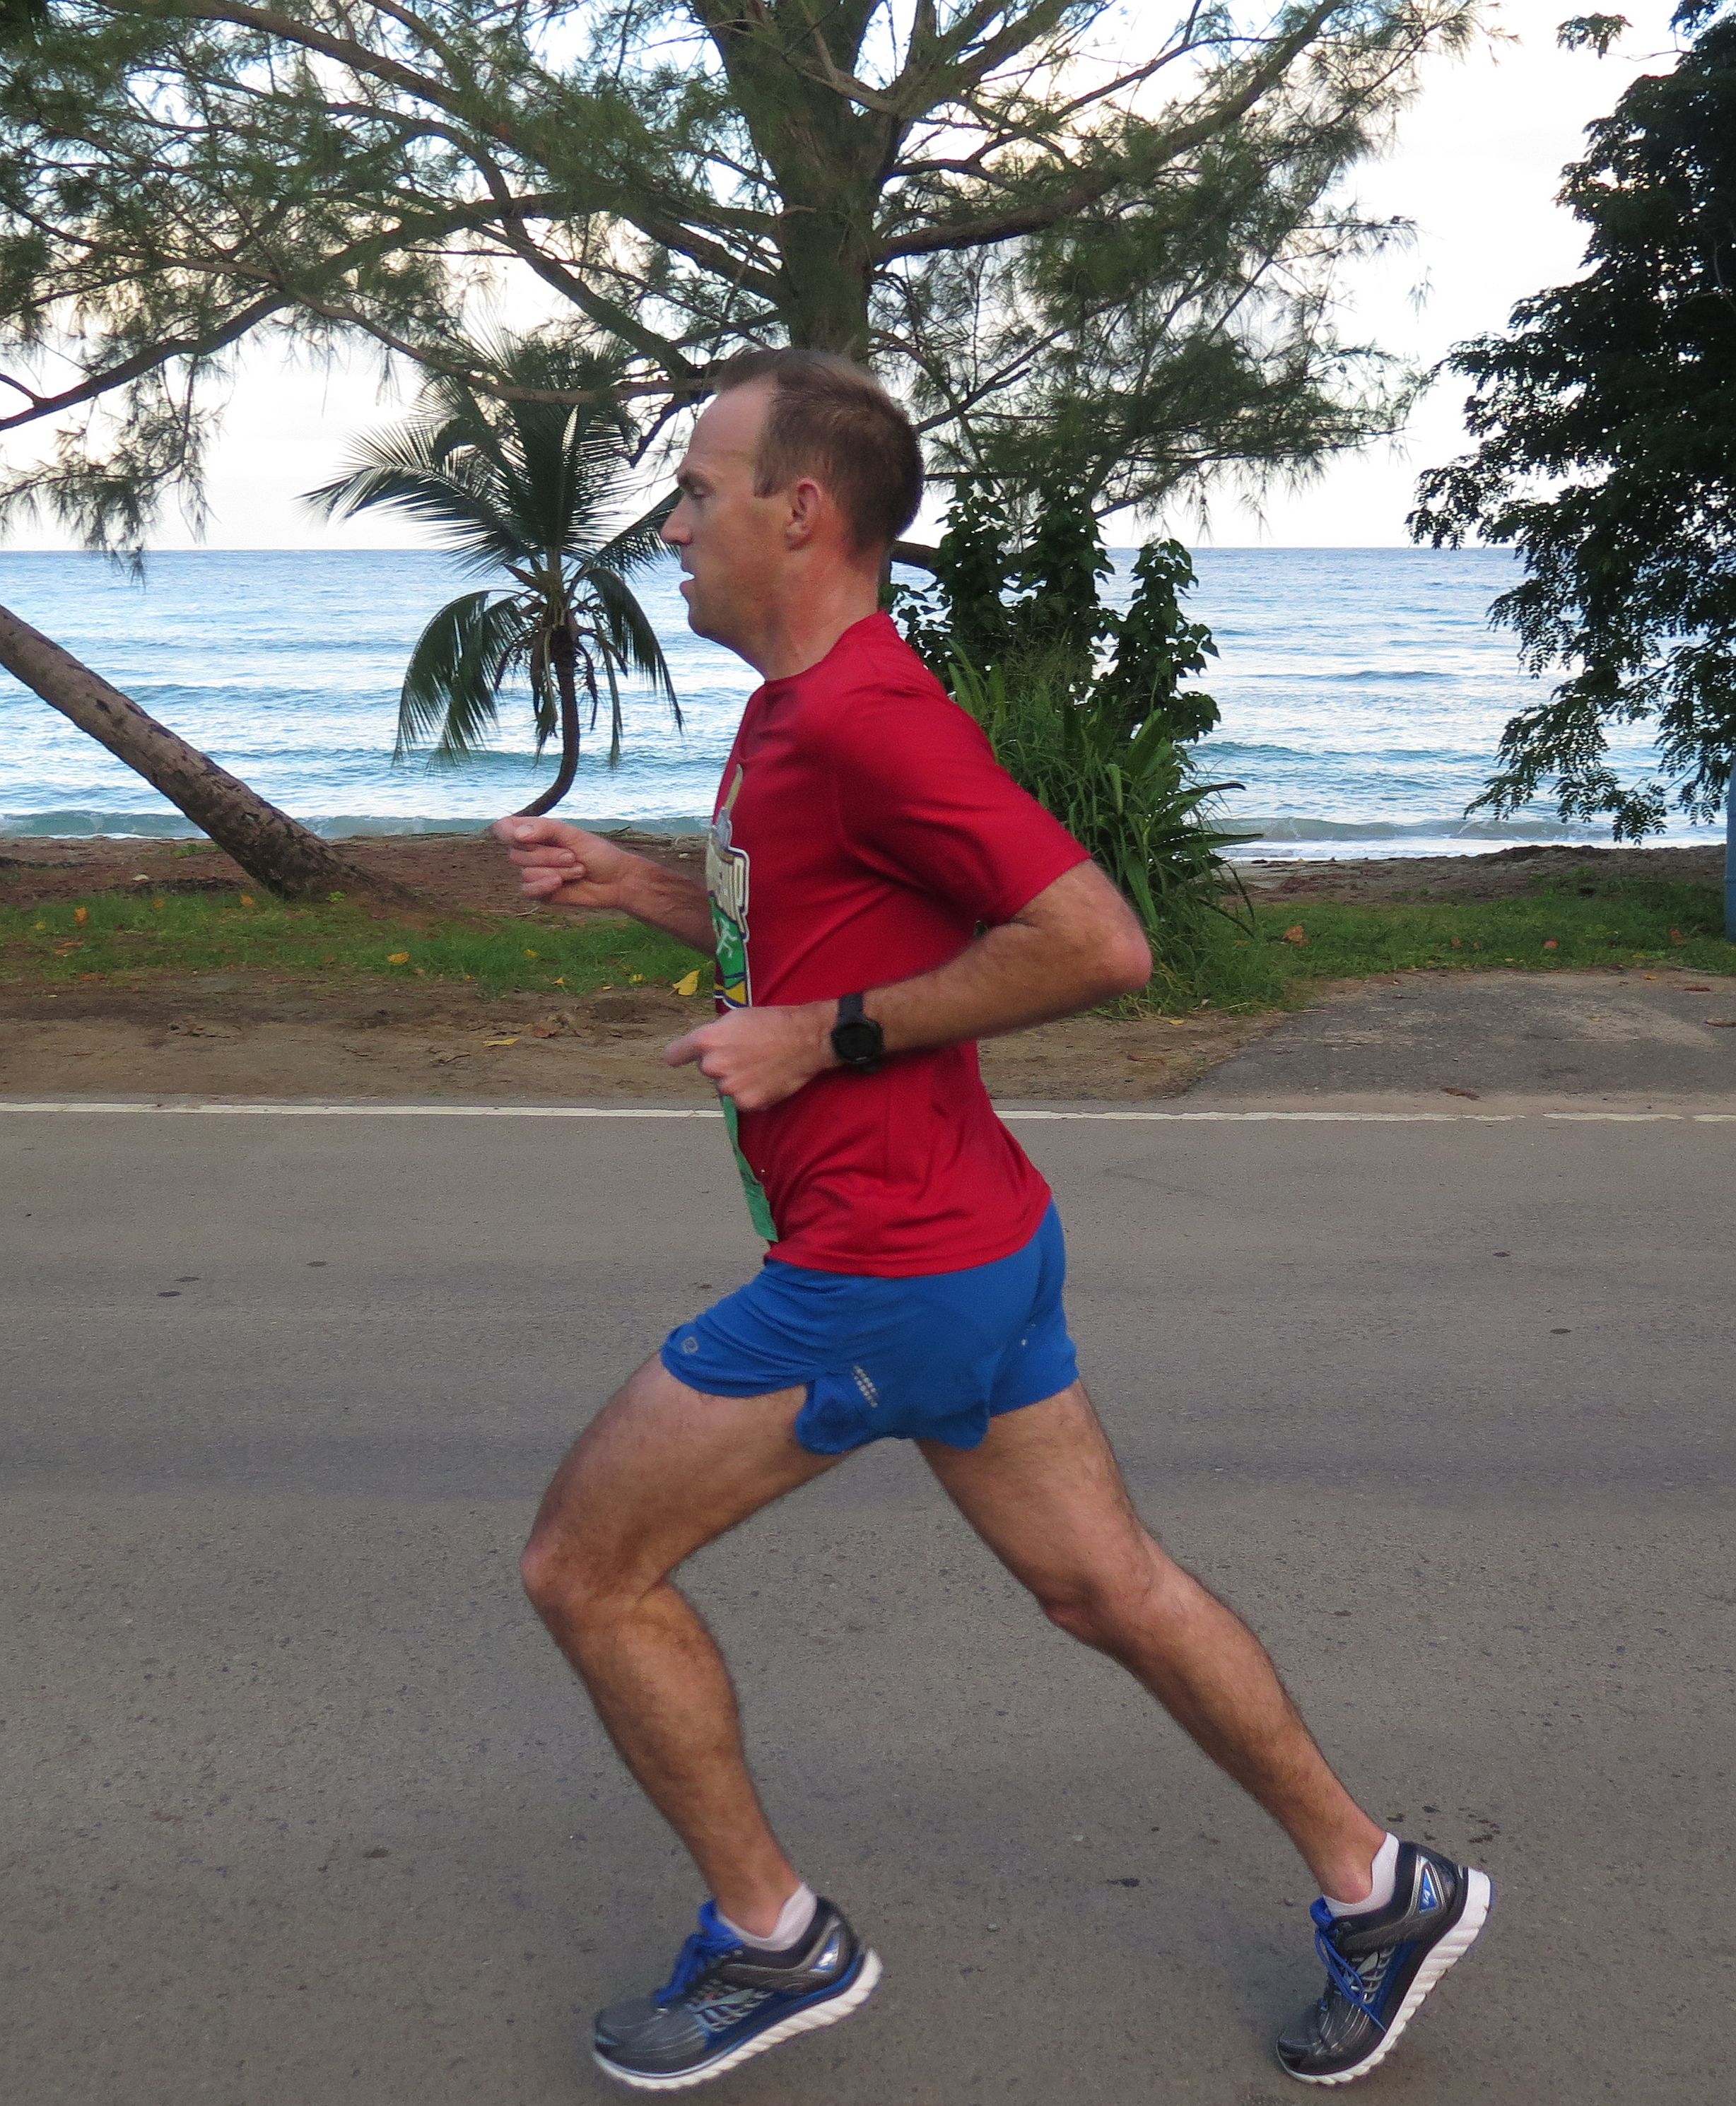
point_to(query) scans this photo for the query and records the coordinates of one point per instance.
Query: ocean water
(1362, 690)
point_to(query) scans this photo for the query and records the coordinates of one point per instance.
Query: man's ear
(809, 505)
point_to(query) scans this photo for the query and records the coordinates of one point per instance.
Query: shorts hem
(735, 1392)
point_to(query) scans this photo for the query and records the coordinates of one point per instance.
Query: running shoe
(1380, 1966)
(726, 2001)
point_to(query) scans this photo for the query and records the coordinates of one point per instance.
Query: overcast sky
(1476, 167)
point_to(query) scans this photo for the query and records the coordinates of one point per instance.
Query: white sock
(1385, 1873)
(794, 1918)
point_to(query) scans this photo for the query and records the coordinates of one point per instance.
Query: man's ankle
(1363, 1893)
(772, 1925)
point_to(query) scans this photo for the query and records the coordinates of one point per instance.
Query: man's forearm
(1011, 978)
(665, 900)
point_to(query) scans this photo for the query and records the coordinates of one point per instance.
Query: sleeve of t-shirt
(921, 800)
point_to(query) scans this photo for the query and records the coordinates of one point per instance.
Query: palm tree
(525, 487)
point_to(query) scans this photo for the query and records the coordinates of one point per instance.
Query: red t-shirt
(862, 833)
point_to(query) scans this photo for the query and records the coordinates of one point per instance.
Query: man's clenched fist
(758, 1057)
(563, 866)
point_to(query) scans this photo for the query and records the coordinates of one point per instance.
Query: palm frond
(628, 636)
(638, 544)
(451, 686)
(419, 472)
(615, 723)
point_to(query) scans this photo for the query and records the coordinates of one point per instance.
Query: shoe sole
(810, 2020)
(1479, 1898)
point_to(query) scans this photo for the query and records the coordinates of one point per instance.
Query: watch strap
(856, 1038)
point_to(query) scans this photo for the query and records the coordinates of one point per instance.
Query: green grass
(1641, 922)
(129, 936)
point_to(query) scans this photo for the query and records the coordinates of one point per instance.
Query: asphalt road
(301, 1807)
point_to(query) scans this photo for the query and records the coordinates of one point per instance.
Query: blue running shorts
(932, 1358)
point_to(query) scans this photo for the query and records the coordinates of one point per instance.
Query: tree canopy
(1087, 239)
(1606, 422)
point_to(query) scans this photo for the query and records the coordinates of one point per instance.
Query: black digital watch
(858, 1040)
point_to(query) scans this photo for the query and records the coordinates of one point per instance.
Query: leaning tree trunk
(562, 655)
(278, 851)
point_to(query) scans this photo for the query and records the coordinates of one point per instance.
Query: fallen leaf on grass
(81, 915)
(1677, 937)
(533, 954)
(398, 957)
(1448, 1091)
(1297, 935)
(688, 983)
(249, 900)
(159, 905)
(1554, 943)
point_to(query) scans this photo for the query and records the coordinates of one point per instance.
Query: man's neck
(807, 626)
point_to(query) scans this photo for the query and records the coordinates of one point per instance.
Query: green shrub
(999, 607)
(1133, 798)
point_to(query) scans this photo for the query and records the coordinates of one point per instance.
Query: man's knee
(571, 1574)
(1084, 1610)
(1109, 1610)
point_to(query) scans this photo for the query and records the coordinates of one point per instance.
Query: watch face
(858, 1040)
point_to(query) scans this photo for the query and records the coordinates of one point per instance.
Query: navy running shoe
(1380, 1966)
(726, 2001)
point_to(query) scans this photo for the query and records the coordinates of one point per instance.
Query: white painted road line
(219, 1110)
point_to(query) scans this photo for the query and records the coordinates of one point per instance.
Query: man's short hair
(831, 419)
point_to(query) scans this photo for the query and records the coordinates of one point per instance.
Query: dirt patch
(469, 871)
(230, 1036)
(1510, 874)
(465, 872)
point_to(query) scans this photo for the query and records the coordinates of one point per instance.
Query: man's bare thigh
(663, 1470)
(1045, 1493)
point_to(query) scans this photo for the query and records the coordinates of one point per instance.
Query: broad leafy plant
(1605, 418)
(1134, 799)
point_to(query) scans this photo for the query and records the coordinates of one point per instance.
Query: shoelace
(710, 1941)
(1340, 1972)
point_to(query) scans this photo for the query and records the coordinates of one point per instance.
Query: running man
(880, 895)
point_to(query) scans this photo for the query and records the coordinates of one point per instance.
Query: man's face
(733, 544)
(729, 540)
